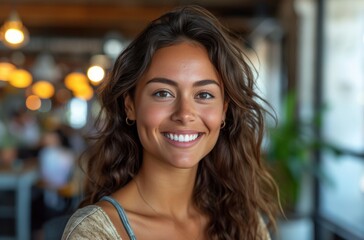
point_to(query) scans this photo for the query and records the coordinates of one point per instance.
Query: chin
(184, 163)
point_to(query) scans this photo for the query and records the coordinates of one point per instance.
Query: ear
(129, 107)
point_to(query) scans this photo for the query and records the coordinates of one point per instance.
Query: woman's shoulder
(90, 222)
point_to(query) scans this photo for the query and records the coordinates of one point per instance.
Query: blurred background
(309, 57)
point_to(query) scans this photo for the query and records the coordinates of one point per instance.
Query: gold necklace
(156, 212)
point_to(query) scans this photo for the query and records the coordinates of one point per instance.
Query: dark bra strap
(122, 216)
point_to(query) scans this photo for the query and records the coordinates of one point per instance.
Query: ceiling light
(75, 79)
(43, 89)
(33, 102)
(13, 32)
(5, 70)
(96, 71)
(95, 74)
(20, 78)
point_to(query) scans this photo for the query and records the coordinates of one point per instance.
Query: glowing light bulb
(74, 80)
(20, 78)
(33, 102)
(5, 70)
(96, 74)
(14, 32)
(84, 92)
(14, 36)
(43, 89)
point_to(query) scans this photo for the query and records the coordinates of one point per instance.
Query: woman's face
(178, 106)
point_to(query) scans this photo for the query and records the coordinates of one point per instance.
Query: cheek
(148, 120)
(213, 117)
(150, 116)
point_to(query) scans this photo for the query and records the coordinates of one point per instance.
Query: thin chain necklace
(156, 212)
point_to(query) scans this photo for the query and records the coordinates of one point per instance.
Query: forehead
(181, 60)
(181, 48)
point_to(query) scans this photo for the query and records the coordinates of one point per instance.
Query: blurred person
(178, 153)
(56, 160)
(56, 167)
(8, 149)
(25, 129)
(8, 157)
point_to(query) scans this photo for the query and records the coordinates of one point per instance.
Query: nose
(184, 111)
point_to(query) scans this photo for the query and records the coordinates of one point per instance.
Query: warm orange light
(73, 80)
(43, 89)
(84, 92)
(33, 102)
(14, 33)
(5, 70)
(20, 78)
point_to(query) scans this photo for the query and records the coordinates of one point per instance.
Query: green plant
(290, 149)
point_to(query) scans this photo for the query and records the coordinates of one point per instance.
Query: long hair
(232, 187)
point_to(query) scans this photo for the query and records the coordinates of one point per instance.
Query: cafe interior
(308, 56)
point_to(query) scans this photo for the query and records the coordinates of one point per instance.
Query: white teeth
(181, 137)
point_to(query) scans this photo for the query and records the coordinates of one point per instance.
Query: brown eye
(163, 94)
(204, 95)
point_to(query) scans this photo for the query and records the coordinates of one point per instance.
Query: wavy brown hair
(232, 185)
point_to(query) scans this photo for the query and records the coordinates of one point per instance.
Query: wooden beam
(95, 20)
(130, 19)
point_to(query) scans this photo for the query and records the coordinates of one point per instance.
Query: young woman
(177, 155)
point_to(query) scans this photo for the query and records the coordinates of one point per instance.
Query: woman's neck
(168, 192)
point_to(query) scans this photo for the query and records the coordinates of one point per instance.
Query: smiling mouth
(182, 137)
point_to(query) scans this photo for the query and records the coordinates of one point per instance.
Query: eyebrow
(173, 83)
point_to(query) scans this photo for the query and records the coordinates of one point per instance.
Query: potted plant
(291, 144)
(289, 153)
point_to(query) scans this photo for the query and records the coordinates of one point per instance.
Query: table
(21, 181)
